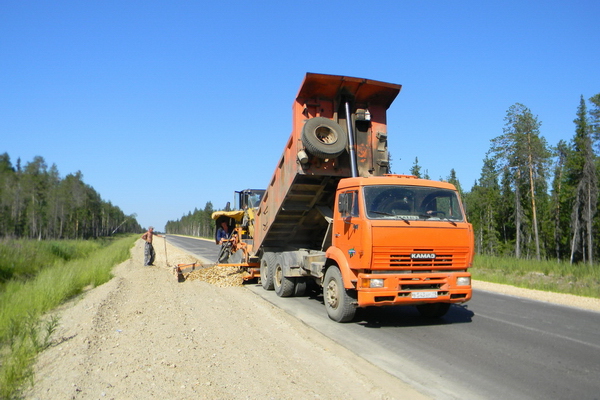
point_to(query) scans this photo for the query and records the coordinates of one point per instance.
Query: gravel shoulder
(144, 335)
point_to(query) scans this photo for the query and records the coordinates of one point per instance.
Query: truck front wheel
(339, 304)
(284, 286)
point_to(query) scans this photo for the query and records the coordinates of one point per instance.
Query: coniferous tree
(416, 168)
(595, 117)
(7, 188)
(524, 155)
(197, 223)
(454, 180)
(36, 203)
(483, 203)
(507, 213)
(35, 181)
(559, 198)
(583, 177)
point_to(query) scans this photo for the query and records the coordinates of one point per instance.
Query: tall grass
(23, 259)
(552, 276)
(24, 302)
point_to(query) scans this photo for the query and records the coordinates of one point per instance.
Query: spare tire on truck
(324, 138)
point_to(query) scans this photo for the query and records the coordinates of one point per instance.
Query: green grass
(70, 268)
(23, 259)
(551, 276)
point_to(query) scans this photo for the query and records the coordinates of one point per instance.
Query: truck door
(348, 228)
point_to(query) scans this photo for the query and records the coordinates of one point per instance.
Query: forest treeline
(198, 223)
(532, 200)
(35, 202)
(538, 201)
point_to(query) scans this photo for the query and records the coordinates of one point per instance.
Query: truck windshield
(412, 203)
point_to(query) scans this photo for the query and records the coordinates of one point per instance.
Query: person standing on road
(149, 253)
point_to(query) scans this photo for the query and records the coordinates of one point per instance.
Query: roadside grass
(550, 276)
(23, 259)
(24, 331)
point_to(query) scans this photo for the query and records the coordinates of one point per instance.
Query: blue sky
(165, 105)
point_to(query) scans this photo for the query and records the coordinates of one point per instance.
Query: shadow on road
(380, 317)
(403, 316)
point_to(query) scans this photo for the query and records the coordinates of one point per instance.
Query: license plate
(424, 295)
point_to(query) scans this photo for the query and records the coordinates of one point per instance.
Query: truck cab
(400, 240)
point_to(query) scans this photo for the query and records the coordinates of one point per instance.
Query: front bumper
(412, 289)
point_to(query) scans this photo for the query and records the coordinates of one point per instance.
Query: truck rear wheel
(266, 270)
(324, 138)
(284, 287)
(339, 304)
(433, 310)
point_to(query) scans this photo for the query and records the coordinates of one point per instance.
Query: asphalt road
(206, 250)
(493, 347)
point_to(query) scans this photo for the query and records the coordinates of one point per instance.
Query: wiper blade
(428, 216)
(390, 215)
(449, 220)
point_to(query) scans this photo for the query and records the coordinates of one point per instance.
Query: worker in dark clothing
(222, 233)
(149, 253)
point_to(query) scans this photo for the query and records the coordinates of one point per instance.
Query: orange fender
(339, 258)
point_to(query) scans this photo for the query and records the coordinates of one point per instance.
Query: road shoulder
(569, 300)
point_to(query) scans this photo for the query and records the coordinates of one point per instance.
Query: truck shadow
(380, 317)
(404, 316)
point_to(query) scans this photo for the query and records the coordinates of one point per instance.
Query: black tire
(339, 304)
(284, 287)
(433, 310)
(300, 287)
(266, 270)
(324, 138)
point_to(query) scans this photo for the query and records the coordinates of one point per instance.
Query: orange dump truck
(333, 216)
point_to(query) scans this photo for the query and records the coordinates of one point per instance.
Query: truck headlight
(376, 283)
(463, 281)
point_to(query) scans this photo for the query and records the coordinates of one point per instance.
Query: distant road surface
(206, 250)
(493, 347)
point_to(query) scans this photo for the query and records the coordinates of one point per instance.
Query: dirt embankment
(144, 335)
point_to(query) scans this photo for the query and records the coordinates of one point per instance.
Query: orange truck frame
(333, 216)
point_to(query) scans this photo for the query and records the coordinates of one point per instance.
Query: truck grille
(419, 259)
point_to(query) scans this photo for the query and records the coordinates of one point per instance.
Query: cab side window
(348, 204)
